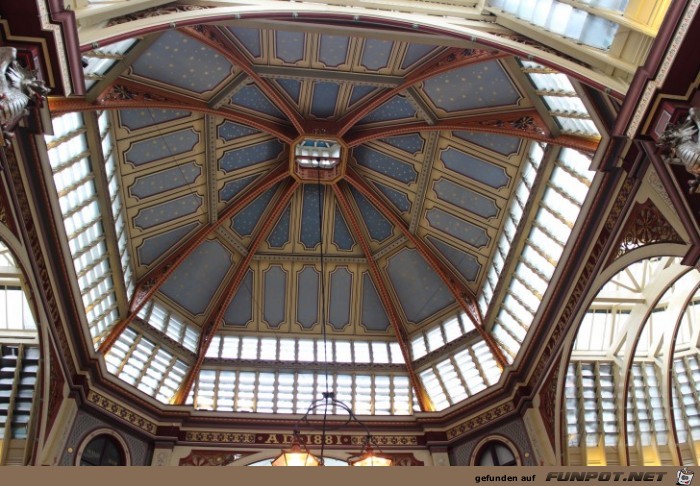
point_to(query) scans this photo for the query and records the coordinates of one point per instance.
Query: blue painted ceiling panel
(307, 297)
(244, 222)
(240, 311)
(502, 144)
(310, 231)
(341, 234)
(275, 283)
(229, 130)
(374, 316)
(250, 38)
(465, 263)
(161, 147)
(182, 61)
(398, 199)
(232, 188)
(377, 225)
(334, 50)
(463, 230)
(252, 98)
(411, 144)
(168, 211)
(152, 248)
(279, 236)
(477, 169)
(137, 118)
(324, 99)
(471, 87)
(415, 53)
(465, 198)
(397, 108)
(376, 54)
(289, 46)
(420, 290)
(249, 155)
(384, 164)
(166, 180)
(206, 265)
(290, 86)
(340, 300)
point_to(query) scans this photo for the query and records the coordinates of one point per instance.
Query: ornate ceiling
(223, 226)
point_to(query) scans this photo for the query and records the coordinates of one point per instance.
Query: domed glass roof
(196, 232)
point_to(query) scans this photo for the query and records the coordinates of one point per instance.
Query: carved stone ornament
(18, 87)
(681, 145)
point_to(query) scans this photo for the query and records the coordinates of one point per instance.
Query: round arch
(495, 439)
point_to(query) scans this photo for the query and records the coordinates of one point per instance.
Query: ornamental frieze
(310, 439)
(480, 420)
(121, 412)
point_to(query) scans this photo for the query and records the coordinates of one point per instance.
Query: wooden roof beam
(463, 295)
(447, 61)
(215, 317)
(152, 281)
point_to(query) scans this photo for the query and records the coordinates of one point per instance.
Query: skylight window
(318, 153)
(562, 18)
(98, 62)
(544, 246)
(304, 350)
(69, 158)
(515, 212)
(454, 379)
(292, 392)
(560, 97)
(171, 324)
(148, 366)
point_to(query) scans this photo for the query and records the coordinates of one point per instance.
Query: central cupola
(318, 158)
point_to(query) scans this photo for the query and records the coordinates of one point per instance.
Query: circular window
(495, 453)
(103, 450)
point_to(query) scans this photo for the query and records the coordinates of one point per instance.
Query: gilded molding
(480, 420)
(119, 411)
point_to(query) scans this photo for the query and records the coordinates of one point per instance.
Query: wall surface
(85, 424)
(513, 430)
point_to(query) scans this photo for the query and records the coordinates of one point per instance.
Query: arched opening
(495, 453)
(103, 450)
(630, 389)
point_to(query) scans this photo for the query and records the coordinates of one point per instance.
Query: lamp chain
(326, 395)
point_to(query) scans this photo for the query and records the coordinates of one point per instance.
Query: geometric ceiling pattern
(226, 233)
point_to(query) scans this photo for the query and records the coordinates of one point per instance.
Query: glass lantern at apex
(315, 159)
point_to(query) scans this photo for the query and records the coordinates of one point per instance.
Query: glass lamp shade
(296, 455)
(370, 458)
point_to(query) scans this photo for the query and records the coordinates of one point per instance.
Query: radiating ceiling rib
(431, 153)
(151, 282)
(517, 123)
(231, 52)
(422, 108)
(463, 295)
(129, 94)
(224, 94)
(214, 318)
(376, 275)
(210, 166)
(447, 61)
(286, 72)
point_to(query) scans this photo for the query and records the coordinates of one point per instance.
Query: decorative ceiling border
(480, 420)
(115, 409)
